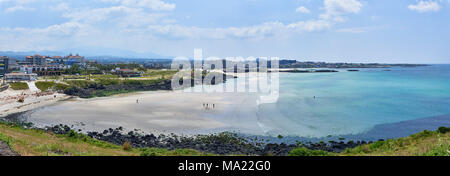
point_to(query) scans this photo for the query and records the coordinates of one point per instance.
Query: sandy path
(33, 87)
(5, 150)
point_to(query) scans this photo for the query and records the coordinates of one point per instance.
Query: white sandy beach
(33, 99)
(155, 112)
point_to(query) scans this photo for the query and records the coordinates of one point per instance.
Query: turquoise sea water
(367, 105)
(348, 103)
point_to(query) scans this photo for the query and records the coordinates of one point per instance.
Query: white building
(21, 76)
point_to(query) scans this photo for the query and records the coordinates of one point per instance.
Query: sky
(389, 31)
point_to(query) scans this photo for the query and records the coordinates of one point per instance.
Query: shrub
(443, 130)
(81, 83)
(127, 146)
(109, 82)
(43, 86)
(72, 134)
(306, 152)
(376, 145)
(422, 134)
(61, 87)
(148, 153)
(19, 86)
(140, 82)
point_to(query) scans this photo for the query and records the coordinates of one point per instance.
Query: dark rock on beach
(222, 143)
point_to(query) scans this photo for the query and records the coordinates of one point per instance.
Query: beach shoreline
(160, 112)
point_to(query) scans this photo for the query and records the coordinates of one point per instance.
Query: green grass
(306, 152)
(425, 143)
(96, 77)
(166, 74)
(177, 152)
(108, 82)
(141, 82)
(19, 86)
(80, 83)
(34, 142)
(61, 87)
(106, 93)
(44, 86)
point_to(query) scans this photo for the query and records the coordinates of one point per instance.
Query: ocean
(351, 103)
(370, 104)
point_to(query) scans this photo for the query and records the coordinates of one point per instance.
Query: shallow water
(354, 102)
(312, 105)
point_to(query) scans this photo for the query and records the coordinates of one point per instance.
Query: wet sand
(154, 112)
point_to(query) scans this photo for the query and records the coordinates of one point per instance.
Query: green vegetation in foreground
(302, 151)
(44, 86)
(425, 143)
(19, 86)
(33, 142)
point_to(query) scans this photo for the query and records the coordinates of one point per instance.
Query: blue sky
(413, 31)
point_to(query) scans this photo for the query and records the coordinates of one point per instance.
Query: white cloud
(18, 8)
(269, 29)
(60, 7)
(117, 16)
(425, 6)
(125, 22)
(310, 26)
(17, 1)
(302, 9)
(336, 8)
(17, 5)
(334, 13)
(157, 5)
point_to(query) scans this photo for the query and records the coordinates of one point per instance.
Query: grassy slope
(426, 143)
(40, 143)
(44, 86)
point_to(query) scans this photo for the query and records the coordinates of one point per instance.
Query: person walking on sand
(137, 101)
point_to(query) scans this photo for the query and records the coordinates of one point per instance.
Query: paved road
(5, 150)
(32, 86)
